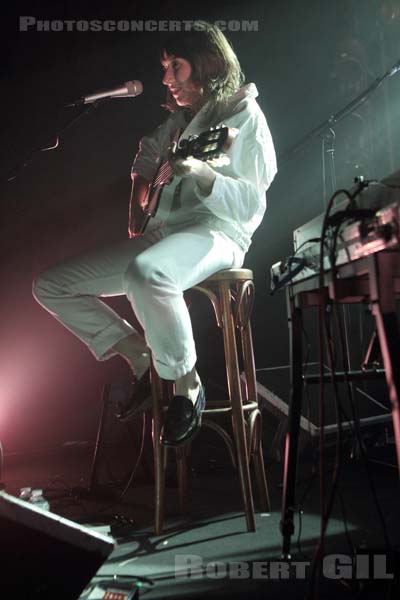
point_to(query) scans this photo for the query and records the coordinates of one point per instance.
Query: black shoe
(183, 419)
(139, 400)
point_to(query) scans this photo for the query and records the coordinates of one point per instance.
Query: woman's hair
(215, 66)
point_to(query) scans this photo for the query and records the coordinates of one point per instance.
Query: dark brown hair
(215, 66)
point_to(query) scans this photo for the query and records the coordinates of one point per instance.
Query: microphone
(129, 89)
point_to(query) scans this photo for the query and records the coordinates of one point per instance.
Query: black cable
(322, 306)
(314, 471)
(322, 330)
(135, 466)
(350, 395)
(77, 500)
(338, 449)
(366, 459)
(326, 510)
(309, 241)
(130, 476)
(345, 366)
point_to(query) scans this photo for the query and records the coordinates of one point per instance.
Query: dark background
(308, 60)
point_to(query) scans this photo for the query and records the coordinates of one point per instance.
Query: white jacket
(237, 202)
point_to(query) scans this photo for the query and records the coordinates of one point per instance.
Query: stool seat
(231, 292)
(230, 275)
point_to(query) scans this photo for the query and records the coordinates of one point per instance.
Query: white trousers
(153, 272)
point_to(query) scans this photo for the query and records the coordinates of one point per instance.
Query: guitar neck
(207, 146)
(163, 175)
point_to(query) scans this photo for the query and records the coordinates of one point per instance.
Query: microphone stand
(48, 145)
(337, 117)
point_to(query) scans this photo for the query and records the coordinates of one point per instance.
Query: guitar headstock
(208, 145)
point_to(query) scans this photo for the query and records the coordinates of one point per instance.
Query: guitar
(208, 146)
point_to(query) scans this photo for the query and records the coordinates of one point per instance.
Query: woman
(204, 223)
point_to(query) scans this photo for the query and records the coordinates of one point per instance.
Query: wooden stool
(231, 293)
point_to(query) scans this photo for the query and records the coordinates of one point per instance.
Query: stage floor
(208, 552)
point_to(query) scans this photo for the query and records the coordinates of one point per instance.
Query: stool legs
(232, 306)
(255, 445)
(158, 450)
(235, 394)
(159, 390)
(243, 310)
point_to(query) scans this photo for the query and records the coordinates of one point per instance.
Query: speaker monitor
(43, 555)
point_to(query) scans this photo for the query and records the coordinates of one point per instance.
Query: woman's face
(177, 77)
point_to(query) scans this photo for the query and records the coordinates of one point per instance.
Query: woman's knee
(143, 273)
(45, 286)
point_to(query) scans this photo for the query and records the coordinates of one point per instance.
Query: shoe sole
(188, 438)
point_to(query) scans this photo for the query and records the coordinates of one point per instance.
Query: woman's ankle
(188, 385)
(134, 351)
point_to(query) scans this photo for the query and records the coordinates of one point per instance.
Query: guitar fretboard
(164, 174)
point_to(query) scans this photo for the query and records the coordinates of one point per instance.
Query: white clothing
(237, 202)
(192, 238)
(152, 272)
